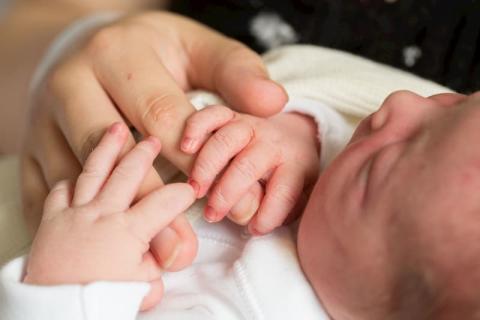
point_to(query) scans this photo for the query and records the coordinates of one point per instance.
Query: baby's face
(398, 211)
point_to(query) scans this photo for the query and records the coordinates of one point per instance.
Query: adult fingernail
(188, 145)
(173, 256)
(210, 214)
(195, 186)
(168, 247)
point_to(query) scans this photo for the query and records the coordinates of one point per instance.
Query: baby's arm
(94, 232)
(283, 151)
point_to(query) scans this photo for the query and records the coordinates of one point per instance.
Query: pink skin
(403, 193)
(95, 231)
(236, 150)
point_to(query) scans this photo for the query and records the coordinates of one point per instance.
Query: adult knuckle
(160, 109)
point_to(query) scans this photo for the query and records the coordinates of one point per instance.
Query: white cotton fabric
(234, 276)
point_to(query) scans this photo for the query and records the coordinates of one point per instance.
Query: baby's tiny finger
(246, 169)
(99, 164)
(154, 212)
(200, 124)
(124, 182)
(248, 205)
(58, 199)
(283, 190)
(224, 145)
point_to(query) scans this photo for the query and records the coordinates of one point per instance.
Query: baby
(388, 231)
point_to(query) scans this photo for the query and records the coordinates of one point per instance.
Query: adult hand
(137, 70)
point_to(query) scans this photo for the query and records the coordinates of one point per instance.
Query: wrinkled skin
(399, 202)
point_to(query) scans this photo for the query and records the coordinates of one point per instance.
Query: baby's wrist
(301, 123)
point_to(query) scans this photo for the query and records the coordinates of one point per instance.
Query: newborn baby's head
(392, 229)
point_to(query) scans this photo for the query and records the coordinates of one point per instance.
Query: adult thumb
(237, 73)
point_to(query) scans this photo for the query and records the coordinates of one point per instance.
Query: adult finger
(282, 192)
(100, 164)
(34, 190)
(123, 184)
(226, 66)
(154, 212)
(47, 159)
(246, 169)
(217, 152)
(202, 123)
(51, 150)
(84, 111)
(147, 95)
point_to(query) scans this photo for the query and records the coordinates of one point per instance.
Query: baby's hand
(281, 151)
(93, 231)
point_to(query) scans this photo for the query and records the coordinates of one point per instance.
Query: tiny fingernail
(254, 231)
(188, 145)
(210, 214)
(195, 186)
(154, 140)
(115, 128)
(173, 256)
